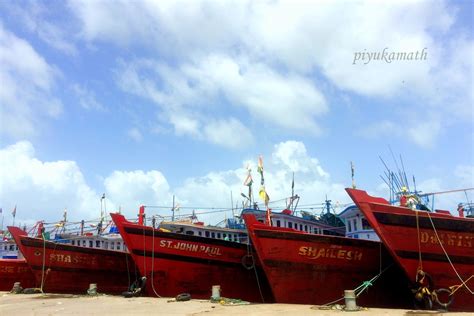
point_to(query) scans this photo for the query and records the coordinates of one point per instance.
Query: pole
(232, 204)
(352, 172)
(172, 219)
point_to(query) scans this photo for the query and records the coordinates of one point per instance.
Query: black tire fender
(444, 305)
(248, 261)
(183, 297)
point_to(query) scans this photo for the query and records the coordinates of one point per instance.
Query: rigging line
(189, 207)
(153, 260)
(463, 283)
(44, 263)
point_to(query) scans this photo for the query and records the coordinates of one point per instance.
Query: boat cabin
(357, 225)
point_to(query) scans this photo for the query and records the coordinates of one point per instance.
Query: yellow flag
(263, 195)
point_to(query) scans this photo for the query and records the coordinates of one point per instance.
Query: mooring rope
(463, 282)
(153, 259)
(44, 263)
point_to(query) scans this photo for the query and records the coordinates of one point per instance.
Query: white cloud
(26, 96)
(293, 155)
(135, 134)
(35, 18)
(87, 98)
(424, 133)
(190, 93)
(228, 133)
(420, 132)
(130, 189)
(41, 190)
(465, 173)
(281, 46)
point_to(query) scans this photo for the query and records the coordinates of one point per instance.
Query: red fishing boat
(435, 249)
(15, 270)
(306, 268)
(64, 268)
(194, 260)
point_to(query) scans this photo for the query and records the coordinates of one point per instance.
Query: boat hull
(409, 235)
(70, 269)
(178, 263)
(306, 268)
(15, 270)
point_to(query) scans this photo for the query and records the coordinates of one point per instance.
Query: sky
(146, 100)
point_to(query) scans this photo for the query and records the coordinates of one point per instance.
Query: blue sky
(145, 100)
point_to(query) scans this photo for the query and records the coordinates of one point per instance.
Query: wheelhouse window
(207, 233)
(365, 224)
(213, 235)
(349, 226)
(278, 223)
(91, 244)
(97, 243)
(290, 225)
(189, 232)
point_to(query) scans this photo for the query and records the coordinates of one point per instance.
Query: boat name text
(211, 251)
(54, 257)
(13, 269)
(315, 253)
(456, 240)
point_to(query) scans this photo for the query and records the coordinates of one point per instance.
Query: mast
(172, 218)
(352, 172)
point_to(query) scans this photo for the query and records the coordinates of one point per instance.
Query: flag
(248, 181)
(268, 217)
(263, 195)
(14, 211)
(260, 165)
(103, 196)
(1, 210)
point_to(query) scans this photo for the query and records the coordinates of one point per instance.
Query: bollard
(350, 300)
(92, 289)
(16, 288)
(216, 292)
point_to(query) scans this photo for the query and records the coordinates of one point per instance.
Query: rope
(128, 270)
(249, 250)
(144, 252)
(364, 285)
(153, 260)
(44, 263)
(420, 262)
(463, 283)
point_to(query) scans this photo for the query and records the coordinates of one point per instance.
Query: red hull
(397, 228)
(305, 268)
(15, 270)
(178, 263)
(70, 269)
